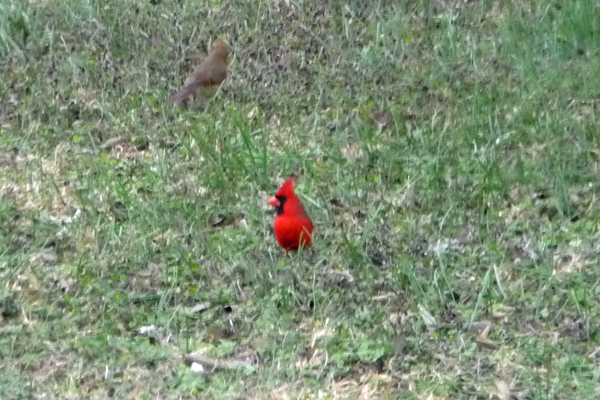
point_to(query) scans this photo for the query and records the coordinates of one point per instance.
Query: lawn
(448, 153)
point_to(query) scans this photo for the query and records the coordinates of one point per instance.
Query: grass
(448, 154)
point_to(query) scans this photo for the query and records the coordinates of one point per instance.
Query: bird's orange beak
(274, 201)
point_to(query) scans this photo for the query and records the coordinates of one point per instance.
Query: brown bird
(207, 76)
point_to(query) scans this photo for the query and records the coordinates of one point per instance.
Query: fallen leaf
(110, 143)
(342, 278)
(399, 345)
(197, 367)
(204, 363)
(466, 236)
(428, 319)
(148, 331)
(484, 341)
(383, 297)
(337, 205)
(221, 220)
(502, 312)
(381, 119)
(502, 390)
(595, 355)
(66, 285)
(198, 308)
(479, 326)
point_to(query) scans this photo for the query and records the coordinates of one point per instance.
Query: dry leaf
(399, 345)
(206, 364)
(428, 319)
(149, 331)
(502, 312)
(223, 220)
(336, 205)
(198, 308)
(383, 297)
(342, 278)
(484, 341)
(49, 255)
(66, 285)
(479, 326)
(595, 355)
(381, 119)
(503, 390)
(110, 143)
(465, 236)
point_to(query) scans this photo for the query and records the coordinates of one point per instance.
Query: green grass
(476, 202)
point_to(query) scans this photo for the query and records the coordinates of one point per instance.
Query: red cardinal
(293, 227)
